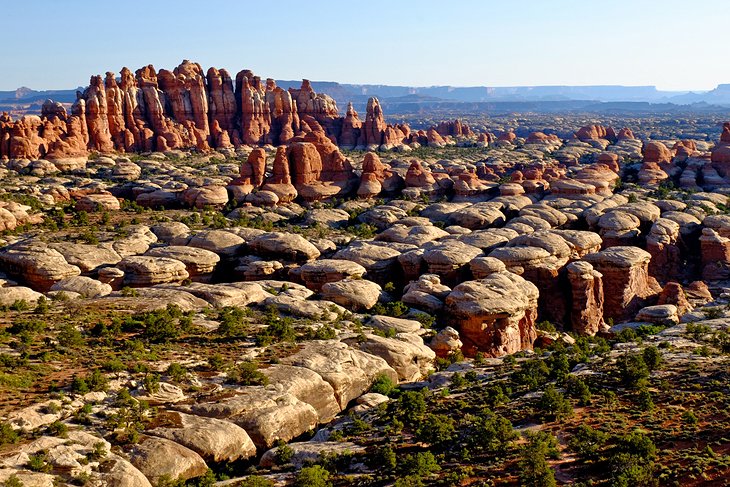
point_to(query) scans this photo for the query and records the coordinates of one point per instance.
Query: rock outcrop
(495, 315)
(627, 284)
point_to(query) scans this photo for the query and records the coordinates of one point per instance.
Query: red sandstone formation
(586, 284)
(434, 139)
(351, 129)
(507, 136)
(627, 284)
(595, 132)
(674, 294)
(255, 115)
(609, 159)
(374, 126)
(418, 177)
(721, 152)
(715, 248)
(152, 110)
(454, 128)
(222, 105)
(625, 134)
(320, 107)
(373, 175)
(656, 152)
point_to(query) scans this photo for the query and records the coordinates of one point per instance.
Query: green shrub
(411, 406)
(532, 373)
(578, 389)
(232, 321)
(176, 372)
(652, 357)
(644, 399)
(255, 481)
(247, 373)
(420, 464)
(7, 434)
(554, 405)
(632, 369)
(587, 442)
(436, 429)
(37, 463)
(383, 385)
(386, 458)
(490, 432)
(284, 454)
(314, 476)
(689, 418)
(58, 428)
(534, 468)
(42, 306)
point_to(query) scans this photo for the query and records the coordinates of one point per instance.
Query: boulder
(88, 258)
(224, 243)
(145, 270)
(350, 372)
(287, 246)
(446, 342)
(266, 413)
(37, 264)
(352, 294)
(212, 439)
(85, 286)
(158, 458)
(317, 273)
(406, 353)
(199, 263)
(307, 386)
(495, 315)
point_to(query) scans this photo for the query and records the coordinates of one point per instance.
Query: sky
(673, 44)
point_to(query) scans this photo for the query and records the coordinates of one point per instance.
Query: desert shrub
(689, 418)
(394, 308)
(314, 476)
(247, 373)
(554, 405)
(176, 372)
(42, 306)
(164, 325)
(284, 453)
(644, 399)
(587, 442)
(383, 385)
(632, 369)
(232, 321)
(58, 428)
(532, 373)
(436, 429)
(387, 458)
(411, 406)
(420, 464)
(578, 389)
(546, 326)
(69, 336)
(534, 467)
(256, 481)
(277, 329)
(216, 362)
(489, 431)
(7, 434)
(652, 357)
(38, 463)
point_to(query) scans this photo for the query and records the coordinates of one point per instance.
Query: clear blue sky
(674, 44)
